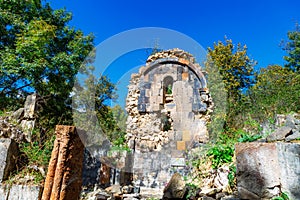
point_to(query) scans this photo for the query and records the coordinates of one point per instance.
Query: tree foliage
(276, 91)
(293, 49)
(92, 113)
(234, 65)
(235, 70)
(39, 52)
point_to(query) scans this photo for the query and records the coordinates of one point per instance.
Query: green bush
(220, 154)
(246, 137)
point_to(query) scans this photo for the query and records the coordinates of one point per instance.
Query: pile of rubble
(172, 53)
(10, 129)
(18, 125)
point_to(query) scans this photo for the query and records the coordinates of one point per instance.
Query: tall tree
(39, 52)
(235, 68)
(293, 49)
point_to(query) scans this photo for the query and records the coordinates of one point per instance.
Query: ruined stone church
(168, 106)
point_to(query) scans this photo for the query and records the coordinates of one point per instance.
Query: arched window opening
(168, 89)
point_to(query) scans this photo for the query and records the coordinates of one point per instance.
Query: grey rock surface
(8, 157)
(280, 134)
(25, 192)
(265, 169)
(294, 136)
(176, 188)
(20, 192)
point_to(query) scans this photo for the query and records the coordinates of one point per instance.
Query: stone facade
(168, 106)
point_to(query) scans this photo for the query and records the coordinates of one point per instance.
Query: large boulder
(20, 192)
(266, 169)
(8, 157)
(176, 188)
(25, 192)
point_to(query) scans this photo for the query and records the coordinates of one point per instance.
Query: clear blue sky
(260, 24)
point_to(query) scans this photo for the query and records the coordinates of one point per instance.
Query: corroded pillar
(64, 178)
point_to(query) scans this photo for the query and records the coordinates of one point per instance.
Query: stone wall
(168, 106)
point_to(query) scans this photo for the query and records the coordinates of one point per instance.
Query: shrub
(220, 154)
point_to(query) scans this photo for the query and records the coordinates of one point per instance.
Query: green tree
(235, 68)
(276, 91)
(92, 112)
(293, 49)
(39, 53)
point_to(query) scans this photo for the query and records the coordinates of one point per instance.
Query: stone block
(257, 168)
(181, 145)
(176, 188)
(176, 153)
(179, 73)
(186, 135)
(290, 121)
(27, 127)
(191, 116)
(4, 191)
(289, 164)
(294, 136)
(25, 192)
(142, 107)
(142, 93)
(185, 76)
(155, 107)
(147, 85)
(197, 85)
(18, 114)
(178, 135)
(147, 193)
(202, 107)
(148, 93)
(178, 162)
(279, 134)
(8, 157)
(29, 106)
(265, 169)
(64, 176)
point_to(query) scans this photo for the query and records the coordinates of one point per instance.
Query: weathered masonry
(168, 105)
